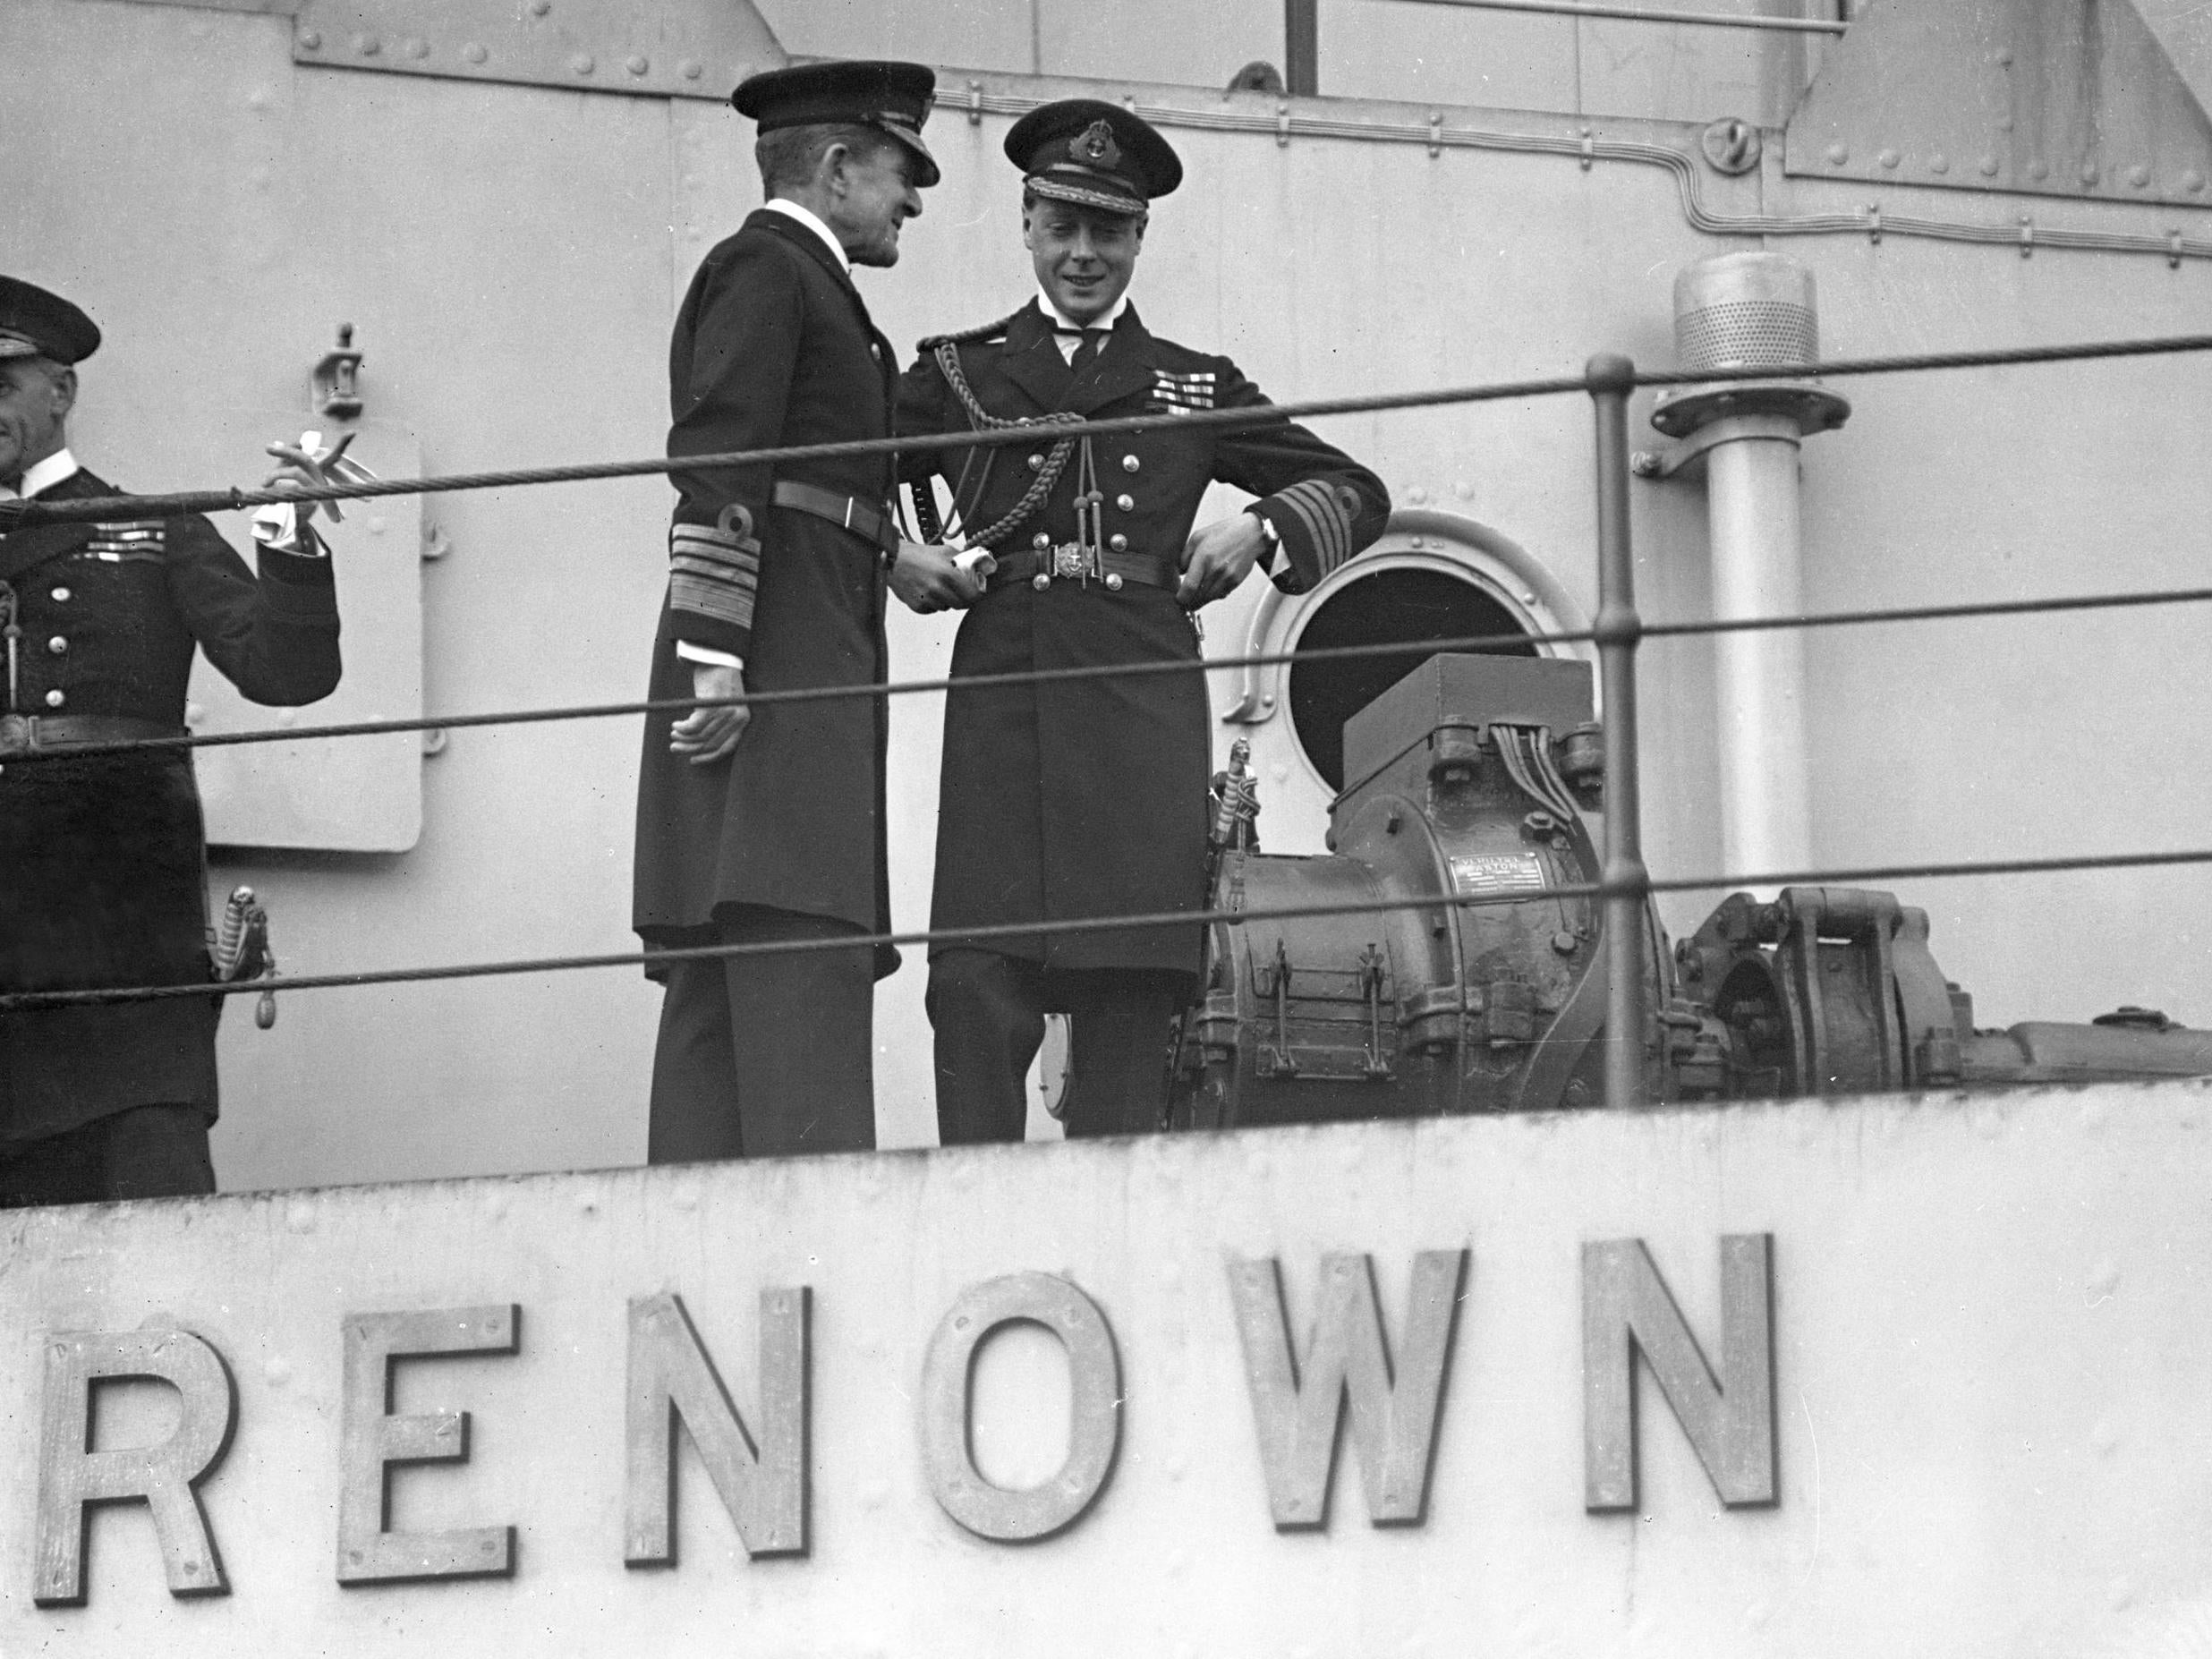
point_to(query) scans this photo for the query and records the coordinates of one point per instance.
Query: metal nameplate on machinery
(1498, 872)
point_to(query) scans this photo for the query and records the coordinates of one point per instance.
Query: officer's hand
(926, 579)
(299, 470)
(707, 735)
(1218, 557)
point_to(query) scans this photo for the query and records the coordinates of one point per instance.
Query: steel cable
(24, 515)
(27, 1001)
(1042, 676)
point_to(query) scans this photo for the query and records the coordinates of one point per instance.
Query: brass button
(1125, 502)
(57, 646)
(1036, 463)
(1121, 544)
(1041, 541)
(1129, 464)
(54, 699)
(61, 596)
(1114, 581)
(1040, 582)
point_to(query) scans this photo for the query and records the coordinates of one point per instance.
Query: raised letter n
(1298, 1406)
(673, 1381)
(1627, 1310)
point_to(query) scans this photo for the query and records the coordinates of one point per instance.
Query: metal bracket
(334, 378)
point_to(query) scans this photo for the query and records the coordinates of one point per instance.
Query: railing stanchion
(1619, 629)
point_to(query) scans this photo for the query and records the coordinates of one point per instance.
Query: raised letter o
(1094, 1415)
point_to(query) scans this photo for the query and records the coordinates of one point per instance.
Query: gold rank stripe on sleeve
(715, 571)
(1178, 394)
(128, 541)
(1324, 512)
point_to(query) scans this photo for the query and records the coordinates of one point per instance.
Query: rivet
(1419, 542)
(1939, 163)
(1888, 157)
(582, 63)
(310, 41)
(415, 46)
(2005, 123)
(2005, 58)
(474, 52)
(1040, 582)
(1114, 581)
(2039, 171)
(287, 716)
(1121, 544)
(1418, 495)
(636, 63)
(194, 714)
(1126, 503)
(690, 69)
(2192, 181)
(2088, 173)
(1989, 166)
(1838, 155)
(368, 46)
(1129, 464)
(1041, 541)
(1036, 462)
(1463, 490)
(2138, 176)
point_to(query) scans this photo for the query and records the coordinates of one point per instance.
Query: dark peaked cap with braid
(1095, 155)
(893, 98)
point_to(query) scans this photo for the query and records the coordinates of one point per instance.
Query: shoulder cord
(946, 349)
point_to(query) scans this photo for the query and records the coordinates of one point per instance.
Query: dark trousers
(988, 1013)
(766, 1056)
(146, 1151)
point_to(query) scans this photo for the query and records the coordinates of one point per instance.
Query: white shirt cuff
(708, 655)
(278, 527)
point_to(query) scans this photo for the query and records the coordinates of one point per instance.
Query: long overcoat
(1087, 798)
(102, 878)
(772, 347)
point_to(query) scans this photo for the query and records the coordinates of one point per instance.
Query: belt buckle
(1068, 561)
(19, 733)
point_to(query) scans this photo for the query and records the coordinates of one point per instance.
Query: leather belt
(1039, 566)
(29, 733)
(865, 520)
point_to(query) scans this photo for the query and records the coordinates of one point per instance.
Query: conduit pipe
(1753, 312)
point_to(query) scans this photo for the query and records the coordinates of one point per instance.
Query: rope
(22, 514)
(945, 349)
(1129, 670)
(27, 1001)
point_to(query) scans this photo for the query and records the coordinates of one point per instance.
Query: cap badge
(1094, 146)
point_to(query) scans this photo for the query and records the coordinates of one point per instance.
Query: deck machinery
(1481, 778)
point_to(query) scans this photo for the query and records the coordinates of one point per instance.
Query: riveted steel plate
(698, 48)
(2051, 98)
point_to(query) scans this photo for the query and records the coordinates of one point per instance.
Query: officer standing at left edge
(102, 860)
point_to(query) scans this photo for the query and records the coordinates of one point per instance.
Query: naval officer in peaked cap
(1087, 798)
(102, 878)
(766, 824)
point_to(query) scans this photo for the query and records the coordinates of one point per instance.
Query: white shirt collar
(1060, 320)
(805, 216)
(41, 475)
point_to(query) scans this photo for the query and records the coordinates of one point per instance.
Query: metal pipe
(1610, 379)
(1751, 481)
(1301, 47)
(1632, 14)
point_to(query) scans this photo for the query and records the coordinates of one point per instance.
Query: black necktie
(1088, 347)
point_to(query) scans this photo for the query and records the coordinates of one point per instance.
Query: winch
(1481, 777)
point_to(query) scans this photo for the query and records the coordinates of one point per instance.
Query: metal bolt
(368, 46)
(2192, 181)
(2039, 171)
(474, 53)
(1838, 155)
(309, 40)
(1989, 166)
(582, 63)
(1939, 163)
(415, 46)
(690, 69)
(1889, 159)
(636, 63)
(2138, 176)
(2088, 173)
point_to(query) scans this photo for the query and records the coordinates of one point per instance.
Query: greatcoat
(102, 879)
(772, 347)
(1087, 798)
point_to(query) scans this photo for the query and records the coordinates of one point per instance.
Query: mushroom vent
(1745, 311)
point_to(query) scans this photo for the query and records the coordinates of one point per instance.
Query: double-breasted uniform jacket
(1087, 798)
(102, 879)
(772, 347)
